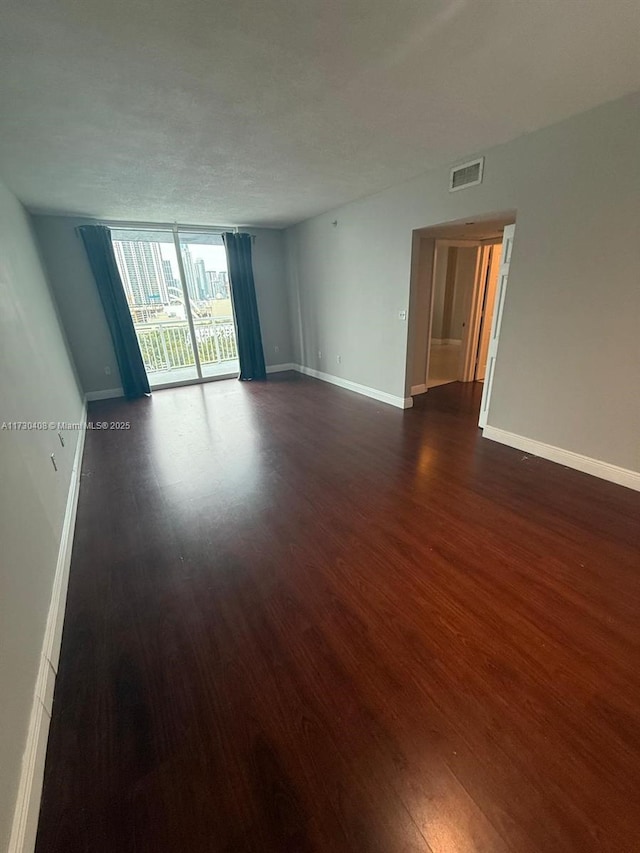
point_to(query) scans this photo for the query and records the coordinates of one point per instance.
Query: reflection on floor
(443, 364)
(303, 621)
(159, 378)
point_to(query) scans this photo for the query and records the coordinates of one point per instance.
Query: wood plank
(300, 620)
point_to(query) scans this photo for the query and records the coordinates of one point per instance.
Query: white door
(486, 319)
(503, 275)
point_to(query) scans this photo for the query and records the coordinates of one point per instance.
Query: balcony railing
(166, 345)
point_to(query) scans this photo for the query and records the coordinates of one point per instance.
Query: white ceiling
(269, 111)
(481, 228)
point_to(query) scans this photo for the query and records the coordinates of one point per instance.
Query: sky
(214, 257)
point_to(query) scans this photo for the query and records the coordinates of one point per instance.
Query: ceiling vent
(466, 175)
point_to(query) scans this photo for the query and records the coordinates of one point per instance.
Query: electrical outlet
(276, 348)
(107, 370)
(339, 359)
(319, 353)
(402, 315)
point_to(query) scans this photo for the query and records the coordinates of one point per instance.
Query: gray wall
(441, 260)
(37, 383)
(271, 290)
(567, 371)
(466, 260)
(78, 301)
(82, 314)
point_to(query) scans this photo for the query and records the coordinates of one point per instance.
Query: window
(177, 287)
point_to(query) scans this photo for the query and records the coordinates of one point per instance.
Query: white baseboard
(382, 396)
(418, 389)
(107, 394)
(604, 470)
(25, 818)
(279, 368)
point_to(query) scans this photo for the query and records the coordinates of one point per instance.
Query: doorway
(455, 287)
(465, 276)
(177, 287)
(454, 278)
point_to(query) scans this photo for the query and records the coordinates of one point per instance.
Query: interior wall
(271, 292)
(348, 295)
(83, 317)
(423, 258)
(78, 301)
(466, 259)
(572, 301)
(440, 289)
(37, 383)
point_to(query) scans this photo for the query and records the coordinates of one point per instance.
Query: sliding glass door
(204, 261)
(177, 288)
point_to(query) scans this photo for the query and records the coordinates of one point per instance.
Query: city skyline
(150, 272)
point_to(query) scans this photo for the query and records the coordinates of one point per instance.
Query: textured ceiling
(269, 111)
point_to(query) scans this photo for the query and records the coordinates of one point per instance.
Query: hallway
(301, 620)
(444, 364)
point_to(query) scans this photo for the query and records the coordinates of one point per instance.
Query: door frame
(187, 300)
(473, 227)
(496, 323)
(471, 340)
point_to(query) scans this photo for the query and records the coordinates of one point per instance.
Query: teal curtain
(245, 306)
(97, 242)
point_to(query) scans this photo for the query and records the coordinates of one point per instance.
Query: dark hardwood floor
(300, 620)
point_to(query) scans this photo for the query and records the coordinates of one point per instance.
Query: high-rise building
(172, 284)
(211, 277)
(141, 268)
(174, 288)
(218, 284)
(189, 272)
(225, 290)
(202, 282)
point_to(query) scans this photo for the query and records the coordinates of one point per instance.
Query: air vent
(466, 175)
